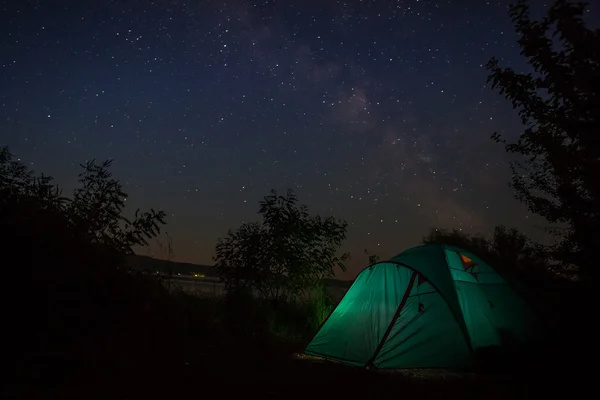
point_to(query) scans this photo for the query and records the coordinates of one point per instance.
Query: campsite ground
(235, 374)
(149, 343)
(217, 364)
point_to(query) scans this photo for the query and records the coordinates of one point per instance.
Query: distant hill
(150, 264)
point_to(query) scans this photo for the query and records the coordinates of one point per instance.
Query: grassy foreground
(144, 342)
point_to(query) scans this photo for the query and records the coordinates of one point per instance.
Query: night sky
(376, 112)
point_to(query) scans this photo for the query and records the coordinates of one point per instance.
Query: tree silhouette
(287, 253)
(559, 105)
(508, 250)
(64, 259)
(96, 211)
(477, 244)
(373, 258)
(33, 208)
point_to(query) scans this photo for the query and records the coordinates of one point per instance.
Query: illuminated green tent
(432, 306)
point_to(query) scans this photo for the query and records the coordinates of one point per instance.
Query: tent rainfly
(432, 306)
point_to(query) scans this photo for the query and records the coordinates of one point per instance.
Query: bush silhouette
(70, 291)
(287, 254)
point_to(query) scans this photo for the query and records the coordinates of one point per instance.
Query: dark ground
(294, 378)
(142, 342)
(231, 369)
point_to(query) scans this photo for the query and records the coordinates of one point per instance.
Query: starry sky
(376, 112)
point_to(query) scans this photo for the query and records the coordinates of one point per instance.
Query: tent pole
(411, 283)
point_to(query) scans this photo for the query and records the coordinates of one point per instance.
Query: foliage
(509, 250)
(93, 215)
(477, 244)
(318, 305)
(68, 252)
(373, 258)
(287, 253)
(559, 177)
(290, 322)
(96, 211)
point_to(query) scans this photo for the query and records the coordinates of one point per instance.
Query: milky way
(374, 112)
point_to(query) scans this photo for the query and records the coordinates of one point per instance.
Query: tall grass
(296, 320)
(282, 326)
(318, 307)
